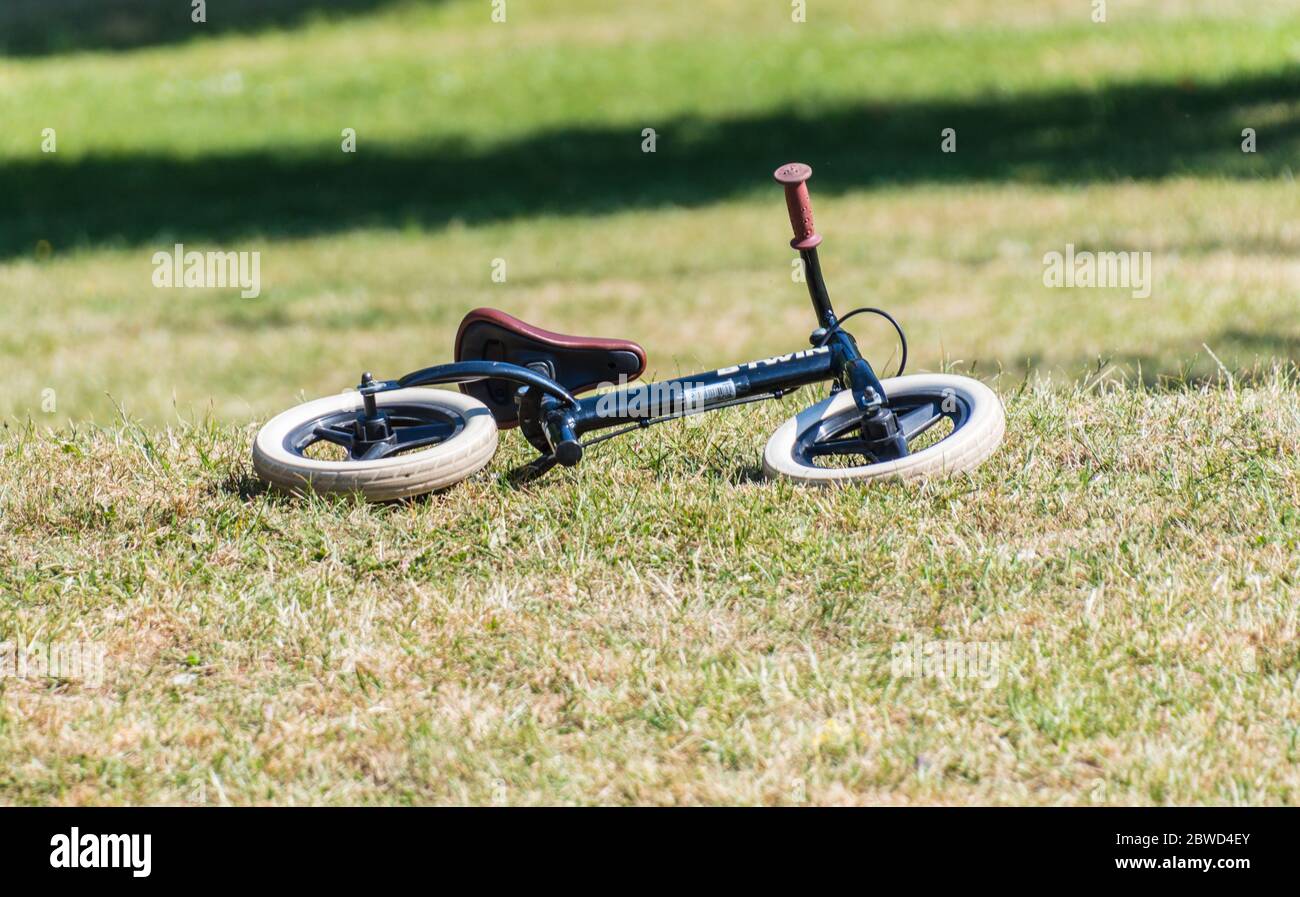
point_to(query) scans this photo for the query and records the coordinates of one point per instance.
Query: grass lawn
(660, 625)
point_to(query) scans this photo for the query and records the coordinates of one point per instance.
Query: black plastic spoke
(850, 432)
(395, 428)
(848, 446)
(406, 438)
(919, 419)
(336, 435)
(424, 434)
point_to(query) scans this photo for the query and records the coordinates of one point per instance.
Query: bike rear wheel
(437, 438)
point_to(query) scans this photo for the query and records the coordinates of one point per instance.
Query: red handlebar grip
(793, 176)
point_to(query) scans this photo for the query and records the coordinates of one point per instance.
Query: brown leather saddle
(578, 363)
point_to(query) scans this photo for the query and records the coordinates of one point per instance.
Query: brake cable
(902, 364)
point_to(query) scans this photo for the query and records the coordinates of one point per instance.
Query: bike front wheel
(951, 424)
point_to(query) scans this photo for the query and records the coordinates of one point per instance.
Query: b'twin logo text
(775, 359)
(78, 851)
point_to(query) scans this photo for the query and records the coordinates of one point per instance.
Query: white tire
(399, 476)
(980, 425)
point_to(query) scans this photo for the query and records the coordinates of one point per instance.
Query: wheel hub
(372, 433)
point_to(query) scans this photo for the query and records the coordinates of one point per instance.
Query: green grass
(660, 625)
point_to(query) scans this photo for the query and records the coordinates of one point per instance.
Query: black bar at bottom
(298, 848)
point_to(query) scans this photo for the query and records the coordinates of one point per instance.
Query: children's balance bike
(392, 439)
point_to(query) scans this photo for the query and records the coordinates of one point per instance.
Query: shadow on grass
(1140, 131)
(39, 27)
(245, 485)
(1249, 356)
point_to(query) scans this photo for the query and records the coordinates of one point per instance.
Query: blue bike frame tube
(702, 392)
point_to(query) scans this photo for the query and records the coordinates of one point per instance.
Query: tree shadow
(41, 27)
(1133, 131)
(1249, 355)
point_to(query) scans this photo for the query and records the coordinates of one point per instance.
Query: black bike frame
(554, 421)
(706, 391)
(834, 356)
(559, 421)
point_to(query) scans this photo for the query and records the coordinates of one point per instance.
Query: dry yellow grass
(659, 627)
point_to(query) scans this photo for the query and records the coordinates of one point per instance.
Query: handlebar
(794, 177)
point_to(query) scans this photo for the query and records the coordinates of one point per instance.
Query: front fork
(879, 424)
